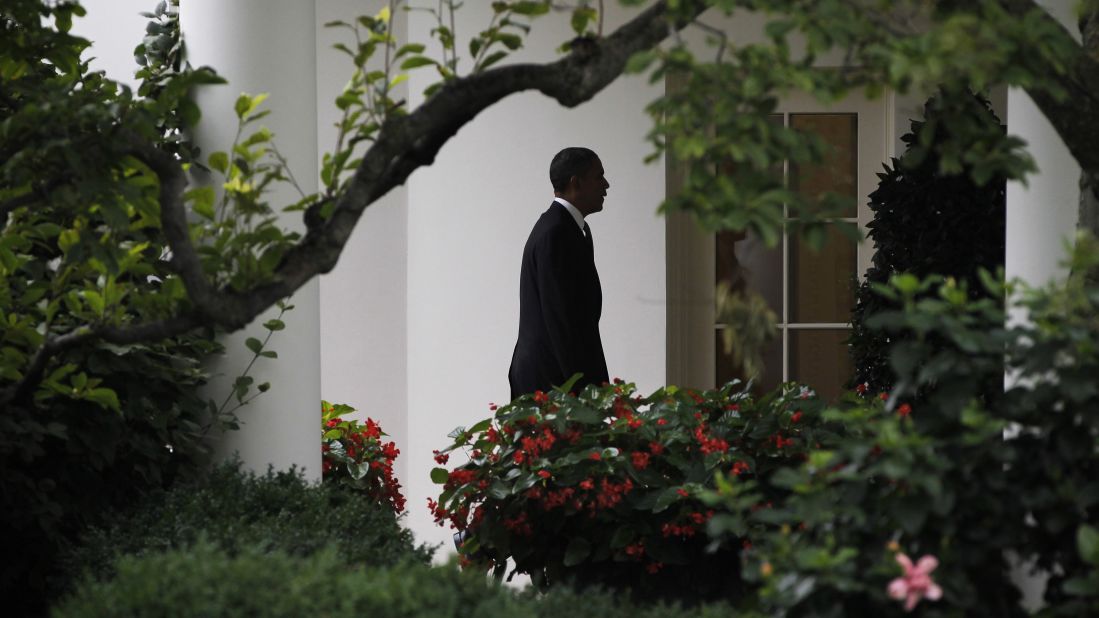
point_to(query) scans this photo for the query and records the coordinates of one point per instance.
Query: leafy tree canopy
(95, 199)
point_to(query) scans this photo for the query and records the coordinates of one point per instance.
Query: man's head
(577, 176)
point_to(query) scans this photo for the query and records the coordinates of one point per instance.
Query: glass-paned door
(811, 292)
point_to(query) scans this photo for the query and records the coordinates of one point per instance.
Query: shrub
(602, 488)
(354, 455)
(962, 477)
(237, 510)
(204, 580)
(928, 222)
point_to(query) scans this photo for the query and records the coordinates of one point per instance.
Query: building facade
(416, 324)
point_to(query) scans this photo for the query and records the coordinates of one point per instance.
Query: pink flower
(916, 582)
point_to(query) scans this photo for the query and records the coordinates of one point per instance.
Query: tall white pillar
(267, 46)
(1041, 216)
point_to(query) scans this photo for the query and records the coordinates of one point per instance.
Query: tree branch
(148, 331)
(173, 217)
(406, 143)
(1075, 116)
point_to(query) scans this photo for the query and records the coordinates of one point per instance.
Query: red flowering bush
(354, 454)
(603, 488)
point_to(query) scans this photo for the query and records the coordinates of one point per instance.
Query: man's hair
(572, 161)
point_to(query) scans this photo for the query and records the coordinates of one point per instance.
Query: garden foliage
(204, 580)
(101, 423)
(95, 413)
(930, 218)
(602, 488)
(960, 476)
(237, 511)
(354, 455)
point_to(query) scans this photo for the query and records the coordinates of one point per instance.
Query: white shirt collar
(572, 211)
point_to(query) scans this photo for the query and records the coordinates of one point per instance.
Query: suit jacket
(560, 302)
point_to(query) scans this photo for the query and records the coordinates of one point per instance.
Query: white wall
(468, 219)
(115, 28)
(1041, 214)
(280, 427)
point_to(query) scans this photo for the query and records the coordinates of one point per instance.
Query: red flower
(636, 550)
(740, 467)
(492, 436)
(332, 423)
(661, 421)
(460, 477)
(653, 567)
(796, 416)
(656, 448)
(372, 429)
(440, 458)
(904, 410)
(640, 459)
(683, 492)
(883, 396)
(861, 388)
(492, 407)
(544, 474)
(518, 457)
(732, 407)
(595, 457)
(587, 484)
(540, 397)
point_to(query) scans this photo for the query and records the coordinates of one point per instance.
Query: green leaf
(577, 550)
(666, 499)
(274, 325)
(253, 344)
(439, 475)
(492, 59)
(622, 537)
(246, 104)
(104, 397)
(1087, 543)
(417, 61)
(580, 19)
(202, 201)
(481, 426)
(641, 61)
(410, 48)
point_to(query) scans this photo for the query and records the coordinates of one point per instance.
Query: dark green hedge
(929, 222)
(237, 510)
(205, 580)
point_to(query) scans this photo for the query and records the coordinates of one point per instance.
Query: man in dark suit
(560, 299)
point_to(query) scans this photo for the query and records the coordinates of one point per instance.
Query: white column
(364, 357)
(1041, 216)
(267, 46)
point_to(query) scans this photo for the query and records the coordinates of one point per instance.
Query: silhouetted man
(560, 299)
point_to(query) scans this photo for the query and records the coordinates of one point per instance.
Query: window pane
(838, 172)
(745, 263)
(822, 282)
(819, 358)
(772, 362)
